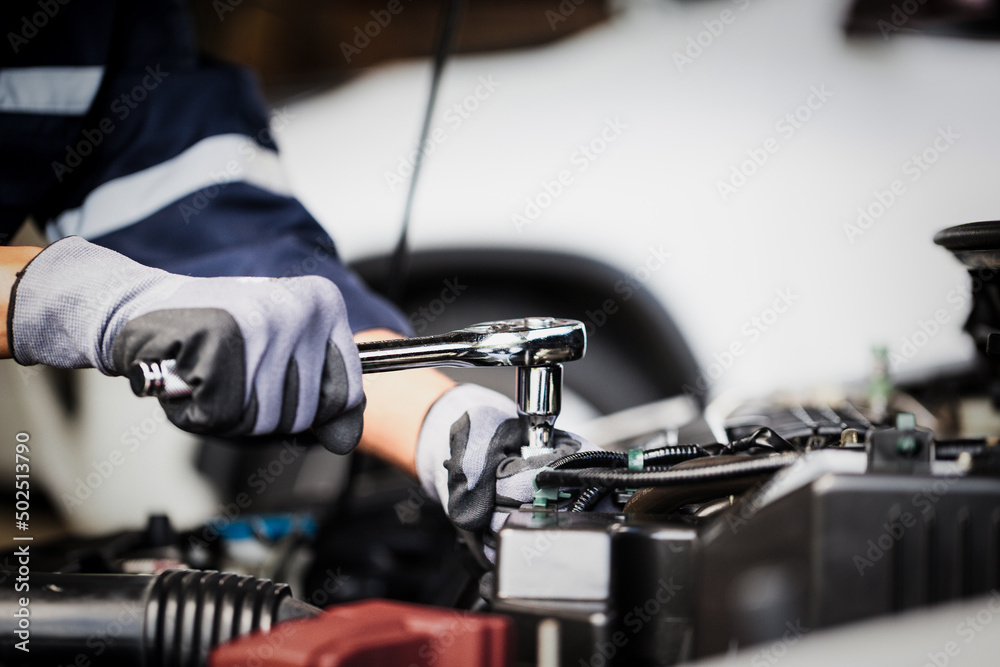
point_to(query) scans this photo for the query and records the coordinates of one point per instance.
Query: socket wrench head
(537, 346)
(539, 400)
(530, 341)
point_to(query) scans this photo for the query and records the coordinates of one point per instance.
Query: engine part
(619, 589)
(169, 620)
(803, 425)
(977, 246)
(903, 449)
(706, 473)
(378, 632)
(842, 548)
(817, 539)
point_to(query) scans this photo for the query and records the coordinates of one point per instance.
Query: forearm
(397, 404)
(12, 260)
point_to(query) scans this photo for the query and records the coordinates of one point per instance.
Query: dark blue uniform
(113, 127)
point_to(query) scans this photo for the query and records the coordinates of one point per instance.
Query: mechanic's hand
(263, 355)
(469, 456)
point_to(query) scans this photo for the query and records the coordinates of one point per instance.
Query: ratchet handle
(528, 342)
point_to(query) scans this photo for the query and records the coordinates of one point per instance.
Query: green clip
(906, 421)
(543, 496)
(906, 445)
(636, 459)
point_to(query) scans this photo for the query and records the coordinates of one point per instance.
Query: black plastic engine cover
(621, 588)
(841, 549)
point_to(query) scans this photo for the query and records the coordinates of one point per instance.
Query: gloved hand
(264, 355)
(469, 457)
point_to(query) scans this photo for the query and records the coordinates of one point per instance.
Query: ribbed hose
(588, 498)
(170, 620)
(675, 454)
(661, 455)
(590, 459)
(189, 613)
(615, 478)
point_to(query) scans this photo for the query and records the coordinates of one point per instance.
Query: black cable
(397, 267)
(588, 498)
(771, 440)
(619, 478)
(674, 454)
(661, 455)
(590, 459)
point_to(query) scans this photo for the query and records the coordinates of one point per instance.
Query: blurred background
(722, 154)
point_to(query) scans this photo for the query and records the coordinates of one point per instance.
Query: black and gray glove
(263, 355)
(469, 457)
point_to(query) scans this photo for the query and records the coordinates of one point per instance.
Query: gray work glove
(469, 457)
(264, 355)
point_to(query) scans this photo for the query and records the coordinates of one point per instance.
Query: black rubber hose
(618, 478)
(169, 620)
(590, 459)
(661, 455)
(588, 498)
(674, 454)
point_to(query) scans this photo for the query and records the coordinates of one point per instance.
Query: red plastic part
(377, 632)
